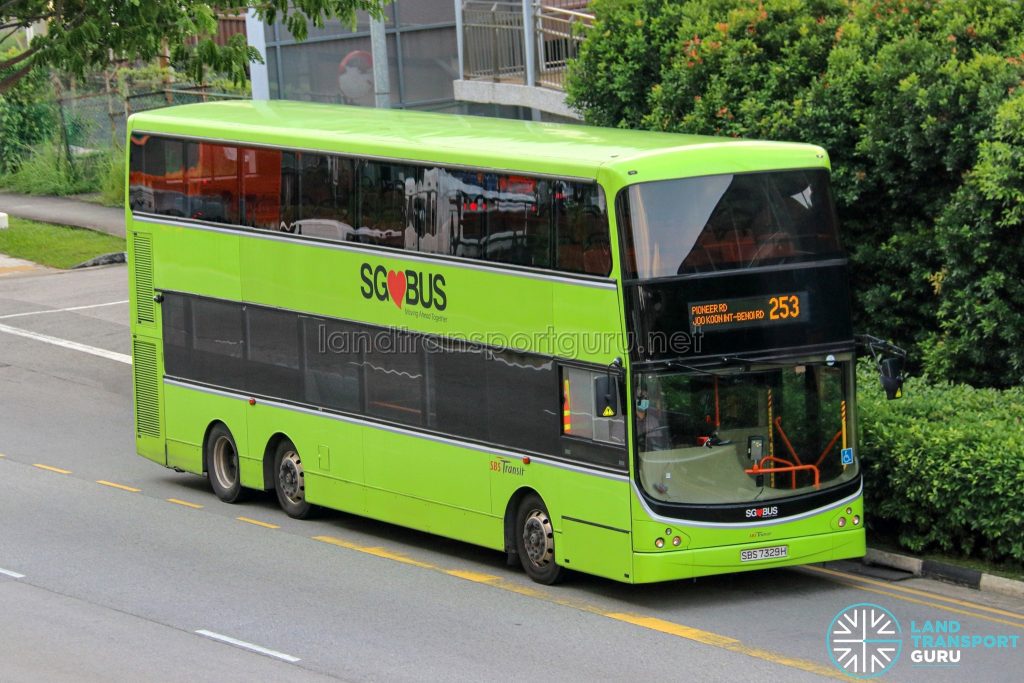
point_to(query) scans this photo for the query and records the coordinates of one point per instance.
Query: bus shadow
(741, 589)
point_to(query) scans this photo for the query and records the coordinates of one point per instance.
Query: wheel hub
(292, 477)
(537, 538)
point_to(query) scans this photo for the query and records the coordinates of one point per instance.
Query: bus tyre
(535, 541)
(290, 481)
(222, 464)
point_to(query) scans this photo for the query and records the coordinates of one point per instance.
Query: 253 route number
(784, 307)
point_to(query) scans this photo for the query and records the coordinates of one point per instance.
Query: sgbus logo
(403, 287)
(763, 513)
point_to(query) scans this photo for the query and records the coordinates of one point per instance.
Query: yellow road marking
(651, 623)
(194, 506)
(913, 591)
(257, 522)
(375, 551)
(936, 605)
(2, 455)
(51, 468)
(117, 486)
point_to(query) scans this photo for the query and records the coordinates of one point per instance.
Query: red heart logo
(396, 287)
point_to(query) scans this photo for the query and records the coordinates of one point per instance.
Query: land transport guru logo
(409, 287)
(864, 640)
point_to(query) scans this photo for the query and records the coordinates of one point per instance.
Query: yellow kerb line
(117, 486)
(51, 468)
(912, 591)
(194, 506)
(650, 623)
(257, 522)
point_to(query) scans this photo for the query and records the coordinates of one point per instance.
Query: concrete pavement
(64, 211)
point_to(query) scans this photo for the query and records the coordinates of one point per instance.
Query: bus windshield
(744, 434)
(727, 222)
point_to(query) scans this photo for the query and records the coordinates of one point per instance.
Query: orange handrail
(785, 440)
(792, 469)
(829, 447)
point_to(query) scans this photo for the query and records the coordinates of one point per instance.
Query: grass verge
(57, 246)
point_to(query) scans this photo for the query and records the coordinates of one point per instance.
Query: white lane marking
(74, 346)
(62, 310)
(13, 575)
(247, 646)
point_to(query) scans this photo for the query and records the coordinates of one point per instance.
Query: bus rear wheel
(222, 464)
(535, 541)
(290, 481)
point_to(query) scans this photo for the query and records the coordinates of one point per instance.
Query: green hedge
(914, 101)
(944, 467)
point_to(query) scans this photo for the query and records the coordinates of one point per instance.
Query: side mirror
(890, 371)
(606, 396)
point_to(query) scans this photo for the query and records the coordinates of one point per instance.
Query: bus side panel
(589, 325)
(594, 515)
(589, 512)
(429, 485)
(331, 452)
(188, 413)
(198, 261)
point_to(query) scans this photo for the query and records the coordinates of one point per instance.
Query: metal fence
(494, 40)
(97, 120)
(559, 34)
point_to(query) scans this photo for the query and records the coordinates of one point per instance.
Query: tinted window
(394, 377)
(177, 329)
(213, 182)
(504, 218)
(522, 401)
(218, 343)
(273, 353)
(581, 229)
(458, 384)
(578, 398)
(157, 176)
(384, 213)
(334, 363)
(711, 223)
(498, 217)
(326, 195)
(261, 188)
(204, 340)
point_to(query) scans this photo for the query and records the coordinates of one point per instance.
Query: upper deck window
(479, 214)
(727, 222)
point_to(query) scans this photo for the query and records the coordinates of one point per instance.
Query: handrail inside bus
(788, 467)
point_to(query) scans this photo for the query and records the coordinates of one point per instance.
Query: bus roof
(527, 146)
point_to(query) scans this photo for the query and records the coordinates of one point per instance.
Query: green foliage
(981, 236)
(111, 177)
(82, 34)
(943, 466)
(903, 94)
(46, 171)
(26, 118)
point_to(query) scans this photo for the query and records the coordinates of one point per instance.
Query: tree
(902, 94)
(84, 34)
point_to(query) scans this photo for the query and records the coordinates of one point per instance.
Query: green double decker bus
(624, 353)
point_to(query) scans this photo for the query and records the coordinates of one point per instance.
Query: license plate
(774, 553)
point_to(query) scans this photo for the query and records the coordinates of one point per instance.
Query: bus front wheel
(535, 541)
(222, 464)
(290, 481)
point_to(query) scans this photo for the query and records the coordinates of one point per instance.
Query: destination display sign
(750, 311)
